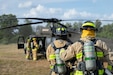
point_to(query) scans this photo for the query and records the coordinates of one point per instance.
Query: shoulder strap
(95, 40)
(81, 42)
(69, 41)
(66, 45)
(53, 45)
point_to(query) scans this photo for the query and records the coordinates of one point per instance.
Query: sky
(61, 9)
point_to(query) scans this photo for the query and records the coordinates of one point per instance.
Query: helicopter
(44, 35)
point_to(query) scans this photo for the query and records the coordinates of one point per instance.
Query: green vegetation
(11, 35)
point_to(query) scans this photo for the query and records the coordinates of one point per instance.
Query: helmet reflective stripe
(58, 29)
(89, 24)
(61, 29)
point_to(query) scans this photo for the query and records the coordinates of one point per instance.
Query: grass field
(13, 62)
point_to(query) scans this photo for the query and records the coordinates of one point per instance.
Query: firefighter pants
(34, 52)
(28, 54)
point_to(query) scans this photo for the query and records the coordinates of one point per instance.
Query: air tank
(60, 64)
(90, 55)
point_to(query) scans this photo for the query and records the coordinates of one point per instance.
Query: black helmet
(61, 31)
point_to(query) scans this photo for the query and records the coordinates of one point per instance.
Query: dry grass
(13, 62)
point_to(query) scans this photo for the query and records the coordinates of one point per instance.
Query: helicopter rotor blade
(34, 18)
(55, 20)
(18, 25)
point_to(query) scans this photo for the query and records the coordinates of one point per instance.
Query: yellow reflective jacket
(35, 45)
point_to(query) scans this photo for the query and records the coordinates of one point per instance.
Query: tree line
(11, 35)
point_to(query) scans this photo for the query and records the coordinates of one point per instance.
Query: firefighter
(28, 48)
(93, 56)
(53, 49)
(35, 48)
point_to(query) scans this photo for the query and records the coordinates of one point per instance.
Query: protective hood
(88, 33)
